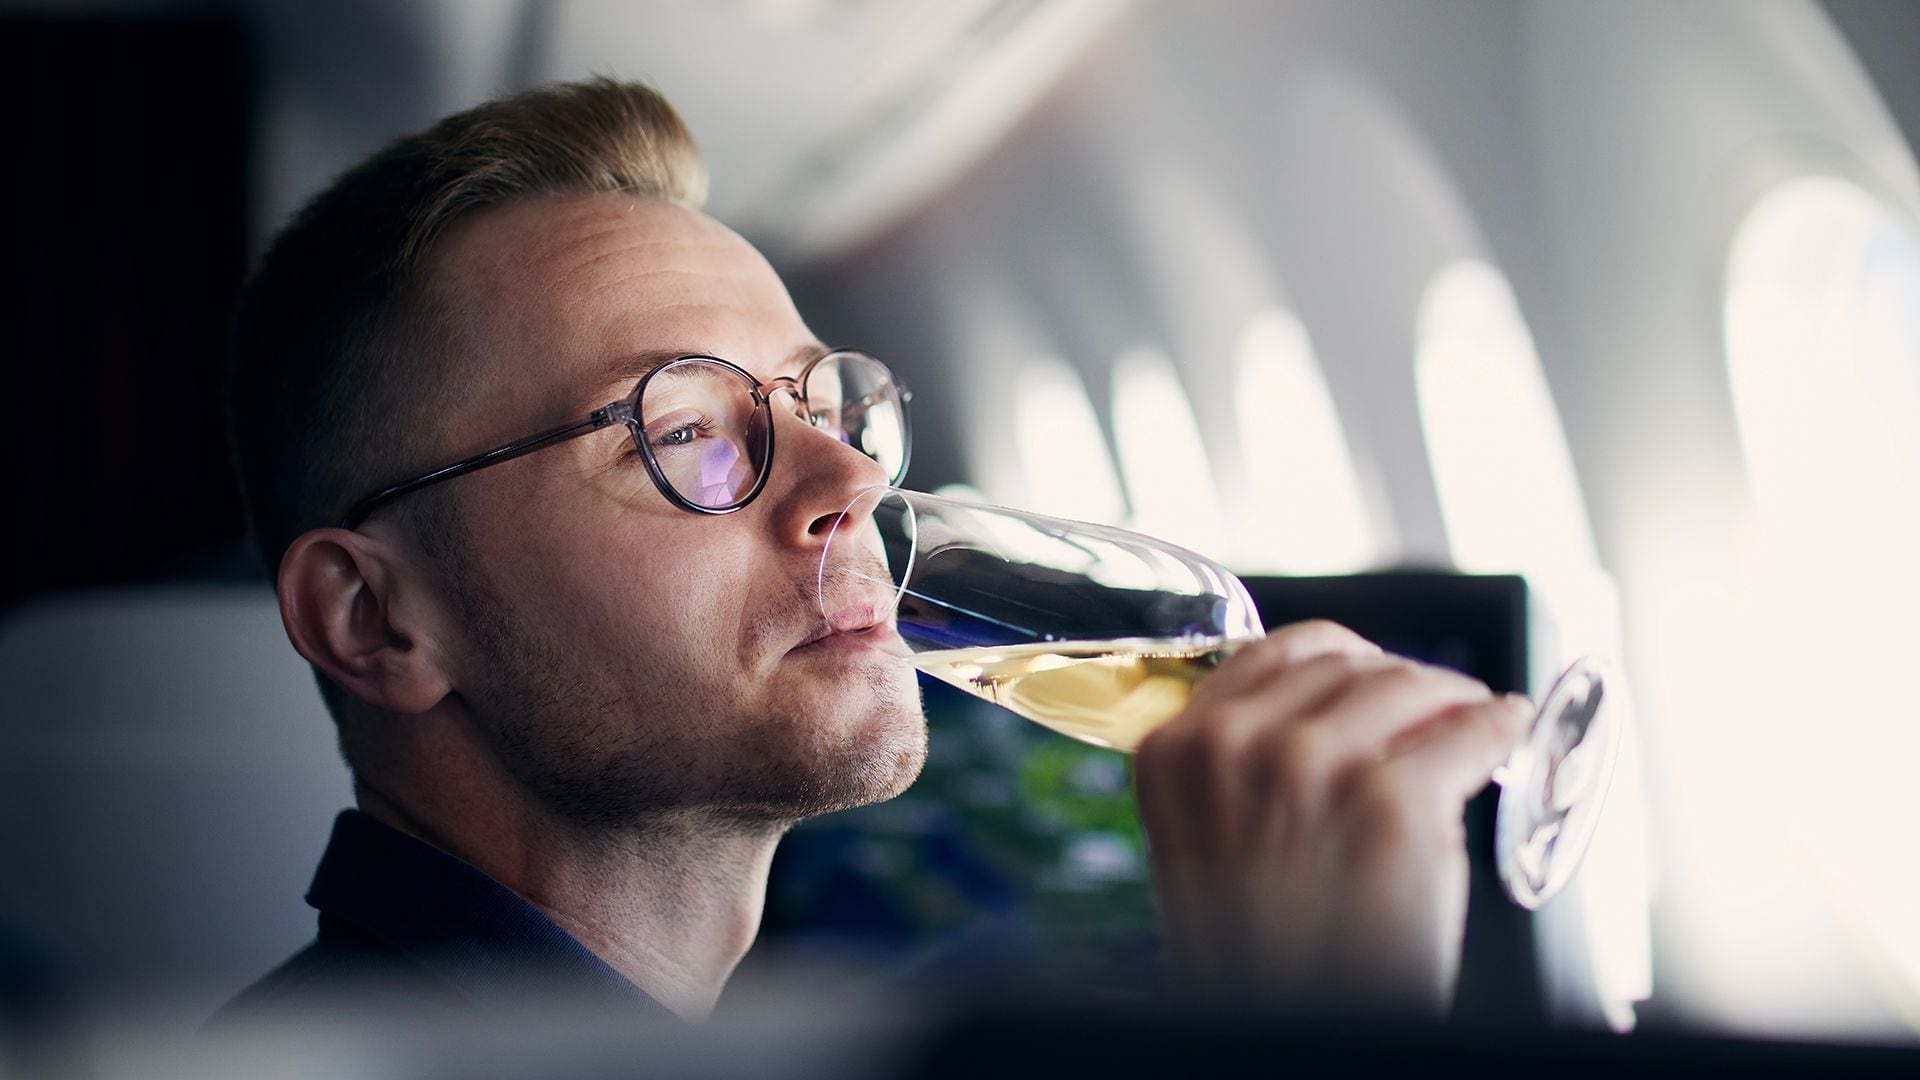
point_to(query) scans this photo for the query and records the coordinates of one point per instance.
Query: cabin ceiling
(822, 119)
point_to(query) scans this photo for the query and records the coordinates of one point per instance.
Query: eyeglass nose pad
(795, 406)
(782, 382)
(869, 554)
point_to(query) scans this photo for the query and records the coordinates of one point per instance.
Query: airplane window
(1169, 480)
(1508, 493)
(1069, 469)
(1305, 513)
(1822, 323)
(1511, 502)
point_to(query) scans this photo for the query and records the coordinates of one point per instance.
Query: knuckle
(1239, 719)
(1218, 753)
(1344, 665)
(1445, 677)
(1309, 637)
(1301, 756)
(1320, 628)
(1410, 676)
(1401, 675)
(1467, 684)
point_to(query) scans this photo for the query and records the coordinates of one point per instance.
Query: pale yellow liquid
(1108, 693)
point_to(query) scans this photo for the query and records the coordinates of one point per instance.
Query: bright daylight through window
(1062, 452)
(1823, 354)
(1507, 488)
(1305, 511)
(1512, 503)
(1162, 457)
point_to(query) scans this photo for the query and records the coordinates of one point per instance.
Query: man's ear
(354, 612)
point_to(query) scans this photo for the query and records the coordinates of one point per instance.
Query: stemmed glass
(1101, 634)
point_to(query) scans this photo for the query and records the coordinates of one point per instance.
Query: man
(545, 459)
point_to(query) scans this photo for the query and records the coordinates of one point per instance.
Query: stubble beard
(589, 747)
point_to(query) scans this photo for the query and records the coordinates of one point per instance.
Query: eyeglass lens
(855, 398)
(709, 441)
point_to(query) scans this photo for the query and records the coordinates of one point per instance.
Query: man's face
(625, 656)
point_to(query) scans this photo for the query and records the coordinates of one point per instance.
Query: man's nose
(815, 476)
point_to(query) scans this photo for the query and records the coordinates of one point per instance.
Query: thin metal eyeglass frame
(626, 411)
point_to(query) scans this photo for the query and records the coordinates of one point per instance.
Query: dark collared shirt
(409, 930)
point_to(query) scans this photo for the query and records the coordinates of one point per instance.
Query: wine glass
(1101, 635)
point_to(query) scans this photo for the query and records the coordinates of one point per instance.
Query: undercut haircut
(344, 350)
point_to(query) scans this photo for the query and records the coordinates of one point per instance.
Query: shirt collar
(486, 940)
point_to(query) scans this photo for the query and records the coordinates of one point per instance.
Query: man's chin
(907, 766)
(880, 767)
(869, 761)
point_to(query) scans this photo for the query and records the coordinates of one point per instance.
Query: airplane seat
(168, 777)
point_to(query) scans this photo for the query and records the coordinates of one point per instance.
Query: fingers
(1258, 662)
(1390, 702)
(1295, 712)
(1305, 812)
(1297, 695)
(1265, 686)
(1320, 683)
(1455, 755)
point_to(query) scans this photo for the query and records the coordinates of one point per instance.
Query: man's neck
(672, 903)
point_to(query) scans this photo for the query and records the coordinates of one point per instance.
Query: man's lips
(851, 621)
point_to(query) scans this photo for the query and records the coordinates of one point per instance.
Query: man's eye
(683, 434)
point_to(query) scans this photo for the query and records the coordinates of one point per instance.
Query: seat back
(168, 776)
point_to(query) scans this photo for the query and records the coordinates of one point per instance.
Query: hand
(1304, 817)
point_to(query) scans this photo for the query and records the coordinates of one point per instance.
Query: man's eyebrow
(632, 367)
(804, 355)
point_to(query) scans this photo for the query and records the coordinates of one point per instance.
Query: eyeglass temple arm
(600, 418)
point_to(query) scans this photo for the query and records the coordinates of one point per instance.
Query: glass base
(1555, 786)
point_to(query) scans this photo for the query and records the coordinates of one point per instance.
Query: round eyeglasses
(704, 428)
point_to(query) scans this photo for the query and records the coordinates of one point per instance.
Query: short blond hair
(341, 347)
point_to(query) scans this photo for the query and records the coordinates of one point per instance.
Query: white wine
(1108, 693)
